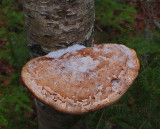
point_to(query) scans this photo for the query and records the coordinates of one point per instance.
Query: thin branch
(98, 28)
(100, 120)
(143, 124)
(156, 23)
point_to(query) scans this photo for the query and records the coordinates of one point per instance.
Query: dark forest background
(134, 23)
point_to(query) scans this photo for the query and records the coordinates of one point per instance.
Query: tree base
(49, 118)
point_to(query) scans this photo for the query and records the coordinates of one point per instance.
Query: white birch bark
(55, 24)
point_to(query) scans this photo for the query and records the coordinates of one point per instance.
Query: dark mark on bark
(46, 15)
(56, 26)
(31, 17)
(47, 35)
(62, 13)
(71, 15)
(36, 50)
(34, 34)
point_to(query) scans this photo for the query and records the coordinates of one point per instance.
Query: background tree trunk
(52, 25)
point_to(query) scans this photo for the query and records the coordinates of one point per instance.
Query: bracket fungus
(84, 80)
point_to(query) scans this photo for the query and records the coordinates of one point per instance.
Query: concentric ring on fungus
(84, 80)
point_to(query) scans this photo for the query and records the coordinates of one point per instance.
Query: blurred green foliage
(140, 106)
(14, 100)
(111, 13)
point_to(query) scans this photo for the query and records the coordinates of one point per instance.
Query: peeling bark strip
(55, 24)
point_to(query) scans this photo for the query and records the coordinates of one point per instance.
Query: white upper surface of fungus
(59, 53)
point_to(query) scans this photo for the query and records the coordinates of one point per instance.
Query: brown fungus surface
(82, 81)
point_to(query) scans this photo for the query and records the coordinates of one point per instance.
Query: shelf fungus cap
(82, 81)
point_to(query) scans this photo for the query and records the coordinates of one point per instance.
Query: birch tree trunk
(52, 25)
(55, 24)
